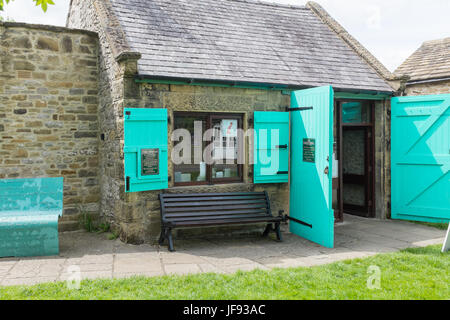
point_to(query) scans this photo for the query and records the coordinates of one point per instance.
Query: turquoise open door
(420, 155)
(311, 213)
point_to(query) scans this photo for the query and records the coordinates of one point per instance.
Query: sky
(390, 29)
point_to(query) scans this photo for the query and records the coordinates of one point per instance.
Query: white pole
(446, 246)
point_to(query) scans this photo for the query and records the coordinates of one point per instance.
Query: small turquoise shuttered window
(146, 153)
(271, 147)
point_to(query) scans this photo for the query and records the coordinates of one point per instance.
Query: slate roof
(241, 40)
(430, 61)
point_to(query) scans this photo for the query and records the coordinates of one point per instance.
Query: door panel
(421, 158)
(311, 166)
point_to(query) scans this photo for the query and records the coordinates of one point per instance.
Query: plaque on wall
(309, 150)
(149, 162)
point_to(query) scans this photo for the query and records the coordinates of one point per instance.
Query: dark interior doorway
(353, 177)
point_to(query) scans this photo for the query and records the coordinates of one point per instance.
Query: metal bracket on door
(299, 109)
(286, 217)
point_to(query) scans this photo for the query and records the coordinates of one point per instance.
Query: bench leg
(278, 232)
(162, 237)
(169, 237)
(267, 230)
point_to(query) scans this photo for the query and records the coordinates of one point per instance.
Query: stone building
(216, 60)
(69, 99)
(428, 69)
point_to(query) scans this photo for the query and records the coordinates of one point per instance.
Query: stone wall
(96, 16)
(382, 183)
(48, 111)
(440, 87)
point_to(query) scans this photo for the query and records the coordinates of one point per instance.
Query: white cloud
(391, 29)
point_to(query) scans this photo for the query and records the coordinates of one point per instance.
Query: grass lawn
(421, 273)
(441, 226)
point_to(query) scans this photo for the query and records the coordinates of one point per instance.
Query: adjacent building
(428, 69)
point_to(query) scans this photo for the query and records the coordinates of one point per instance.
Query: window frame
(210, 116)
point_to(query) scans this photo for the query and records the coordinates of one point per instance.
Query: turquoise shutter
(271, 151)
(146, 152)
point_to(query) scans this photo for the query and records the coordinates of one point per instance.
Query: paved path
(97, 257)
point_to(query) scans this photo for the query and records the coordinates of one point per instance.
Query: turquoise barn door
(420, 155)
(146, 149)
(311, 212)
(271, 147)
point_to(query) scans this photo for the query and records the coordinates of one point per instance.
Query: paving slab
(137, 264)
(125, 275)
(244, 267)
(28, 281)
(182, 269)
(96, 257)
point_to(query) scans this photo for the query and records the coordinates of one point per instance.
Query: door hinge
(128, 183)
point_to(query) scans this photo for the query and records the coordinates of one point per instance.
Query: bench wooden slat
(184, 199)
(225, 222)
(214, 214)
(209, 208)
(219, 218)
(212, 203)
(186, 195)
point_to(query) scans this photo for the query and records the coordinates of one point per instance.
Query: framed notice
(229, 128)
(149, 162)
(309, 150)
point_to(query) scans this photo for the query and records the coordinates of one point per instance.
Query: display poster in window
(309, 150)
(149, 162)
(229, 128)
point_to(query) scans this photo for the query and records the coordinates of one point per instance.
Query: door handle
(327, 170)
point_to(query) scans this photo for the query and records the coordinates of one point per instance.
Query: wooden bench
(216, 209)
(29, 212)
